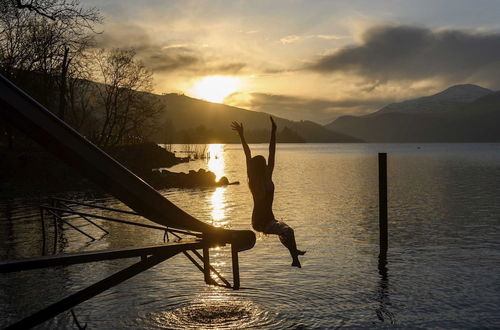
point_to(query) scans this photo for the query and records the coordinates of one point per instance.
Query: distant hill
(288, 135)
(444, 101)
(462, 113)
(188, 120)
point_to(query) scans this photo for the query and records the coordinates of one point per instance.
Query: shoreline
(33, 171)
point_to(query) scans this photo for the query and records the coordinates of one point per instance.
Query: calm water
(443, 262)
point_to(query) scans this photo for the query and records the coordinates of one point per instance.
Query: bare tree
(45, 37)
(69, 12)
(40, 40)
(78, 104)
(128, 109)
(16, 52)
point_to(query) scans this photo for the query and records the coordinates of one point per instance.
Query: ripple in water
(212, 314)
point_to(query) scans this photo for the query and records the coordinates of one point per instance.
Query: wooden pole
(382, 202)
(206, 265)
(236, 268)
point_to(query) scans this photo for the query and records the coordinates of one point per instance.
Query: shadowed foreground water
(443, 266)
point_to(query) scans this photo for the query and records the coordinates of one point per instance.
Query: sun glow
(215, 88)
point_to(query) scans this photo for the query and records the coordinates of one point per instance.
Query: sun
(215, 88)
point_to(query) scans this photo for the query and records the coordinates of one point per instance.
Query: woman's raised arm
(272, 146)
(238, 127)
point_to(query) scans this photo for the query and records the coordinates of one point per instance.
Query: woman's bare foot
(296, 263)
(300, 252)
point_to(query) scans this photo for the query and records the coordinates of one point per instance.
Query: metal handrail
(95, 206)
(71, 225)
(58, 209)
(178, 231)
(86, 219)
(57, 213)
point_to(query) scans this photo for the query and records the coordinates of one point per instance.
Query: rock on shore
(201, 178)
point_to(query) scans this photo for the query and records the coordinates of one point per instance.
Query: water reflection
(444, 223)
(213, 311)
(218, 205)
(383, 313)
(217, 164)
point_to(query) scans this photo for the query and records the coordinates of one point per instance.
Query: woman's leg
(287, 238)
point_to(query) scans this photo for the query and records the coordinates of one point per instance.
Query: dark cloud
(297, 108)
(169, 61)
(162, 58)
(415, 53)
(230, 68)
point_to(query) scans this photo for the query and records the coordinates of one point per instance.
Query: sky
(308, 59)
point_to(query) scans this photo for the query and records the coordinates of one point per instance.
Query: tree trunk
(63, 87)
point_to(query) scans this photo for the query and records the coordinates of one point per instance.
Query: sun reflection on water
(215, 308)
(216, 164)
(218, 203)
(214, 314)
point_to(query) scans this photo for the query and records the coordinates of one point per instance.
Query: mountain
(188, 120)
(462, 113)
(444, 101)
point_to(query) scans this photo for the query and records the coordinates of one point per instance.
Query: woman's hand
(273, 124)
(238, 127)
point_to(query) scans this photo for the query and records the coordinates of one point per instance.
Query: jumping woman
(262, 188)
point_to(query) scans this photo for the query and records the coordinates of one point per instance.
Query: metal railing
(62, 211)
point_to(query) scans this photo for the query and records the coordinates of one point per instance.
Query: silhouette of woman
(262, 188)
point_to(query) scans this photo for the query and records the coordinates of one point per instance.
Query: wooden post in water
(382, 202)
(206, 265)
(236, 268)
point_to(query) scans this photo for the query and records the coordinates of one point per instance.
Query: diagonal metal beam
(91, 291)
(92, 256)
(196, 253)
(60, 219)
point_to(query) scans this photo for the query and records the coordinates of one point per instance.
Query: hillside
(463, 113)
(185, 119)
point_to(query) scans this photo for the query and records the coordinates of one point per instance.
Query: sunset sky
(311, 60)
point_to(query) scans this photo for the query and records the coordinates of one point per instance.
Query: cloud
(165, 61)
(295, 38)
(299, 108)
(416, 53)
(166, 57)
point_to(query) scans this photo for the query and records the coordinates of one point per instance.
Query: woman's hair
(256, 172)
